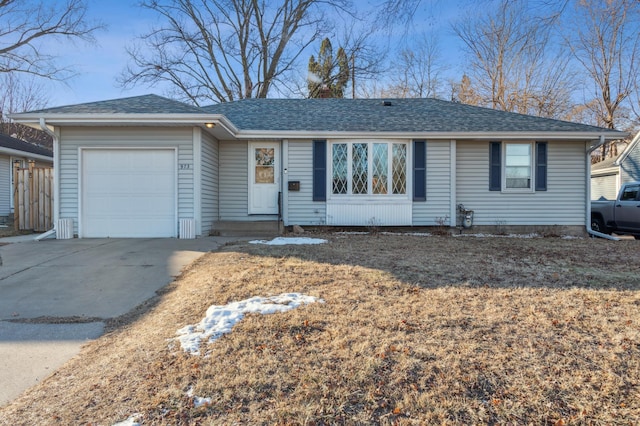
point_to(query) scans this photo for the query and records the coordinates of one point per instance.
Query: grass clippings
(414, 330)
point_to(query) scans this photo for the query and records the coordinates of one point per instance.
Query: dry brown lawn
(414, 330)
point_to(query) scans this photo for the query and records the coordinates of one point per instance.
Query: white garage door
(128, 193)
(604, 187)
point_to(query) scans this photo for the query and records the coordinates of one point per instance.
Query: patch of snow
(282, 241)
(220, 319)
(133, 420)
(198, 401)
(414, 234)
(411, 234)
(534, 235)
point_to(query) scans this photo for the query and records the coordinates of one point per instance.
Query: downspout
(56, 179)
(588, 193)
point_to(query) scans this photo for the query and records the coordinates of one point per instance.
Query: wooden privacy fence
(33, 198)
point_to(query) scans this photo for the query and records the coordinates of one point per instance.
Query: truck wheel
(598, 225)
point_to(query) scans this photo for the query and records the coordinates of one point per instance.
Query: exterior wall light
(210, 125)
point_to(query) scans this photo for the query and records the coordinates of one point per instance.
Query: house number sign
(184, 166)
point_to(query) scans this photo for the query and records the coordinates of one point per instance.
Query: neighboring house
(15, 151)
(149, 166)
(608, 176)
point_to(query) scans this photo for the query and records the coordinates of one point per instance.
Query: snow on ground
(477, 235)
(133, 420)
(198, 401)
(534, 235)
(415, 234)
(220, 319)
(283, 241)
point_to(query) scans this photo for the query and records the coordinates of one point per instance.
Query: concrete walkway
(70, 287)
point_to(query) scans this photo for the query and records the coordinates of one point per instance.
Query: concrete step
(265, 228)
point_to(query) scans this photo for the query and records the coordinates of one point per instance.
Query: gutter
(588, 193)
(56, 179)
(443, 135)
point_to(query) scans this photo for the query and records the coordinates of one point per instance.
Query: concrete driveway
(70, 287)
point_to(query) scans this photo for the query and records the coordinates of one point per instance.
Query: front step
(266, 228)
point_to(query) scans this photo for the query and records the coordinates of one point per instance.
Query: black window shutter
(419, 171)
(495, 166)
(541, 166)
(319, 170)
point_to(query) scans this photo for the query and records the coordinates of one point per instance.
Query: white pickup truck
(622, 215)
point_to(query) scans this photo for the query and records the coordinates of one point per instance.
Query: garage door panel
(128, 193)
(130, 228)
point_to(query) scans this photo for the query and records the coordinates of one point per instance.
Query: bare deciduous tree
(604, 38)
(17, 94)
(464, 92)
(224, 50)
(366, 57)
(419, 70)
(511, 63)
(24, 24)
(394, 11)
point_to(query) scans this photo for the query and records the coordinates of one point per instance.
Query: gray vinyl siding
(209, 182)
(562, 204)
(186, 187)
(72, 138)
(234, 187)
(302, 209)
(630, 167)
(438, 204)
(604, 187)
(5, 187)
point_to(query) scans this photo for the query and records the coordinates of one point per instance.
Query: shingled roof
(19, 145)
(388, 115)
(335, 115)
(146, 104)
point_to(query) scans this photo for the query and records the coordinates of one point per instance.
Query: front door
(264, 177)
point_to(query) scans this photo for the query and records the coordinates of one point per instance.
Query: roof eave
(604, 171)
(146, 119)
(627, 151)
(284, 134)
(61, 119)
(20, 153)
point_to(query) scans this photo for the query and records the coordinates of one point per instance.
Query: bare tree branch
(604, 38)
(21, 93)
(511, 60)
(419, 70)
(25, 23)
(223, 50)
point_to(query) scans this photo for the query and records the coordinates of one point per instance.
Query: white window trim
(532, 163)
(382, 198)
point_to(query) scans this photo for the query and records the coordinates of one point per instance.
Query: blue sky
(97, 66)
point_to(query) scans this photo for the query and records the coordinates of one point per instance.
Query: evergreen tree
(328, 76)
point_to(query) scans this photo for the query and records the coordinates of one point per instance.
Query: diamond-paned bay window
(359, 168)
(340, 180)
(399, 168)
(369, 168)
